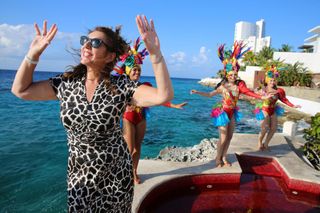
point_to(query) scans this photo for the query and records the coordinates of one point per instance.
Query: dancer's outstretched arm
(283, 98)
(176, 106)
(206, 94)
(245, 90)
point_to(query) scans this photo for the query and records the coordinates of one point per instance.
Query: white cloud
(177, 58)
(201, 58)
(15, 39)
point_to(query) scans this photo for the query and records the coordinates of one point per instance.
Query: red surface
(270, 167)
(263, 187)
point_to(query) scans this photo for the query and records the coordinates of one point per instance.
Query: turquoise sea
(33, 148)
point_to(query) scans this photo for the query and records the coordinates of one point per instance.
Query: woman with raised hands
(100, 174)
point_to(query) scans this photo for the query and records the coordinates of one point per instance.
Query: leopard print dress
(99, 164)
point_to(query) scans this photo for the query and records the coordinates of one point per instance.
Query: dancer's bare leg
(230, 131)
(129, 132)
(273, 129)
(221, 144)
(265, 123)
(140, 132)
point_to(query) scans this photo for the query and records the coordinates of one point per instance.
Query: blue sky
(189, 31)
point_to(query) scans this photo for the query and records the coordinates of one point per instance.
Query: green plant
(311, 149)
(294, 75)
(285, 48)
(305, 77)
(249, 59)
(265, 55)
(220, 73)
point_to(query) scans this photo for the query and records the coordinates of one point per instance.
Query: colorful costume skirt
(221, 118)
(259, 114)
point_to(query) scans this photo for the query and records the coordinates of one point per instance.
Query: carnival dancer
(267, 110)
(135, 117)
(226, 113)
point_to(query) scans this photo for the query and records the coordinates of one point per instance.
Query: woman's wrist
(31, 57)
(156, 58)
(30, 60)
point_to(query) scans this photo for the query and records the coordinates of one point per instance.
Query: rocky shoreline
(209, 82)
(204, 151)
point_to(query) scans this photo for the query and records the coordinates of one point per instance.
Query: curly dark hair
(115, 43)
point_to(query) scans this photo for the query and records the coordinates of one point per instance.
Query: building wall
(317, 46)
(251, 42)
(252, 76)
(260, 26)
(243, 30)
(262, 42)
(309, 60)
(258, 79)
(252, 34)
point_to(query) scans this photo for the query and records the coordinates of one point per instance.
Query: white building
(309, 58)
(253, 34)
(314, 40)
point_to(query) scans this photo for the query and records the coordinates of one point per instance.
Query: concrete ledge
(294, 166)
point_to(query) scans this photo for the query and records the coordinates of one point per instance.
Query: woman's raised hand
(41, 40)
(148, 35)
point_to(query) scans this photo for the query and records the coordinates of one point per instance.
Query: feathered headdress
(230, 58)
(271, 72)
(132, 58)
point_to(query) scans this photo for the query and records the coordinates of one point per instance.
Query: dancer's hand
(193, 91)
(179, 106)
(41, 40)
(149, 35)
(267, 96)
(130, 108)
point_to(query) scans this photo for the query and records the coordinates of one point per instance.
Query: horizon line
(13, 70)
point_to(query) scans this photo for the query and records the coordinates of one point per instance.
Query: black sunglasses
(94, 42)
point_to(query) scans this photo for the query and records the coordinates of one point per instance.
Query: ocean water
(33, 148)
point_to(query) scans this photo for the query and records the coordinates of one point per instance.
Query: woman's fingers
(44, 28)
(38, 33)
(143, 24)
(139, 24)
(49, 35)
(46, 36)
(152, 25)
(146, 24)
(52, 32)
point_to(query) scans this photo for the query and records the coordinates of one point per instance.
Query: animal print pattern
(99, 164)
